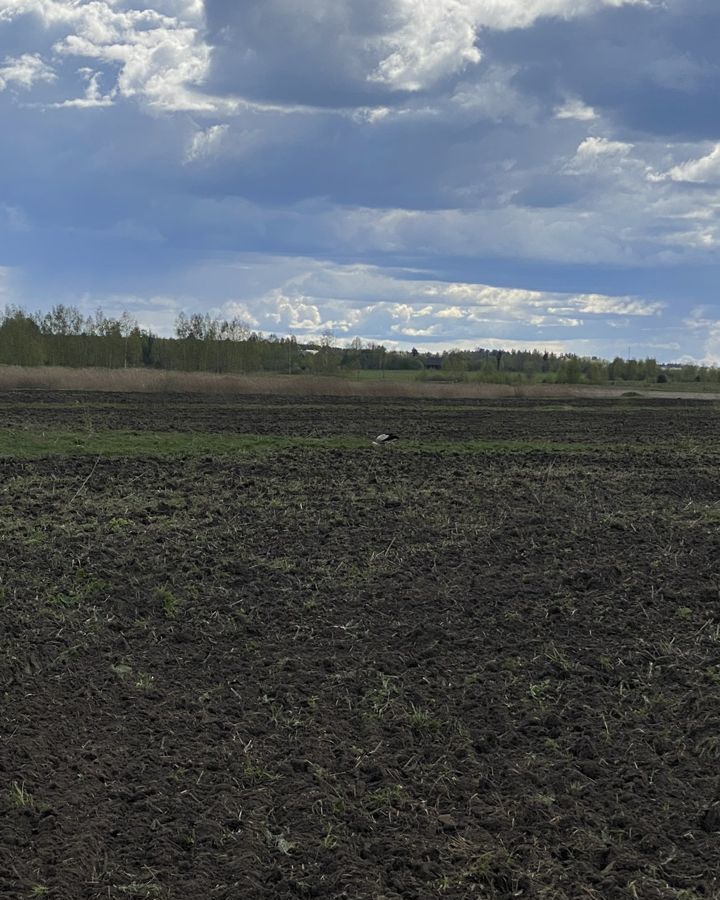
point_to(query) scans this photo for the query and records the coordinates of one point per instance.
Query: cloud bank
(567, 148)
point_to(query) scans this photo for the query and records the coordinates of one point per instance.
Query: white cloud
(307, 297)
(598, 153)
(93, 97)
(573, 108)
(708, 328)
(701, 238)
(237, 309)
(156, 56)
(371, 114)
(434, 38)
(204, 144)
(296, 312)
(407, 331)
(485, 295)
(407, 311)
(597, 304)
(451, 312)
(313, 296)
(706, 169)
(24, 71)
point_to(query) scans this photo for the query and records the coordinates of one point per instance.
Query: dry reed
(58, 378)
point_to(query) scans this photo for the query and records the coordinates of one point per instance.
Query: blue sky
(430, 173)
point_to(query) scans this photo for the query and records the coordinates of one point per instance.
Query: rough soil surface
(638, 420)
(381, 673)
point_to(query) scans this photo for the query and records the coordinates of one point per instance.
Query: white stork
(384, 439)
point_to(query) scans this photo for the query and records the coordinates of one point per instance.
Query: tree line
(64, 337)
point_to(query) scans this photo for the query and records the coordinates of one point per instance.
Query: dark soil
(569, 421)
(363, 673)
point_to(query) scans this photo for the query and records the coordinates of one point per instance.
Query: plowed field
(246, 654)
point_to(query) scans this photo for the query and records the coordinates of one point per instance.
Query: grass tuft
(170, 602)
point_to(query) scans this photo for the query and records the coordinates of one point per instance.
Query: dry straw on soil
(153, 381)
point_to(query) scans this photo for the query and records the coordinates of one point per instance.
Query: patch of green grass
(560, 658)
(144, 681)
(32, 443)
(255, 773)
(84, 587)
(170, 602)
(384, 797)
(65, 600)
(20, 797)
(540, 690)
(512, 663)
(119, 524)
(138, 889)
(329, 842)
(280, 842)
(70, 404)
(422, 720)
(381, 698)
(27, 444)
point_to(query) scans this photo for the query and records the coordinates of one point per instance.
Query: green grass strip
(28, 444)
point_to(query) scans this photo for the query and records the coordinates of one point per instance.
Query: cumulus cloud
(396, 307)
(451, 312)
(205, 143)
(93, 96)
(711, 354)
(434, 38)
(367, 300)
(154, 54)
(403, 308)
(307, 297)
(573, 108)
(618, 306)
(238, 309)
(337, 52)
(595, 153)
(706, 169)
(297, 312)
(705, 323)
(25, 71)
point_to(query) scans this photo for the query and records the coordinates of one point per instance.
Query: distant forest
(64, 337)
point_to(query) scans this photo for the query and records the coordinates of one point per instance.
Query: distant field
(691, 387)
(244, 653)
(384, 374)
(364, 383)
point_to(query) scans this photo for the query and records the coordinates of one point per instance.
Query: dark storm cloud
(351, 163)
(648, 69)
(265, 50)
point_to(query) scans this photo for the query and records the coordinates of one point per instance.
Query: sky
(430, 173)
